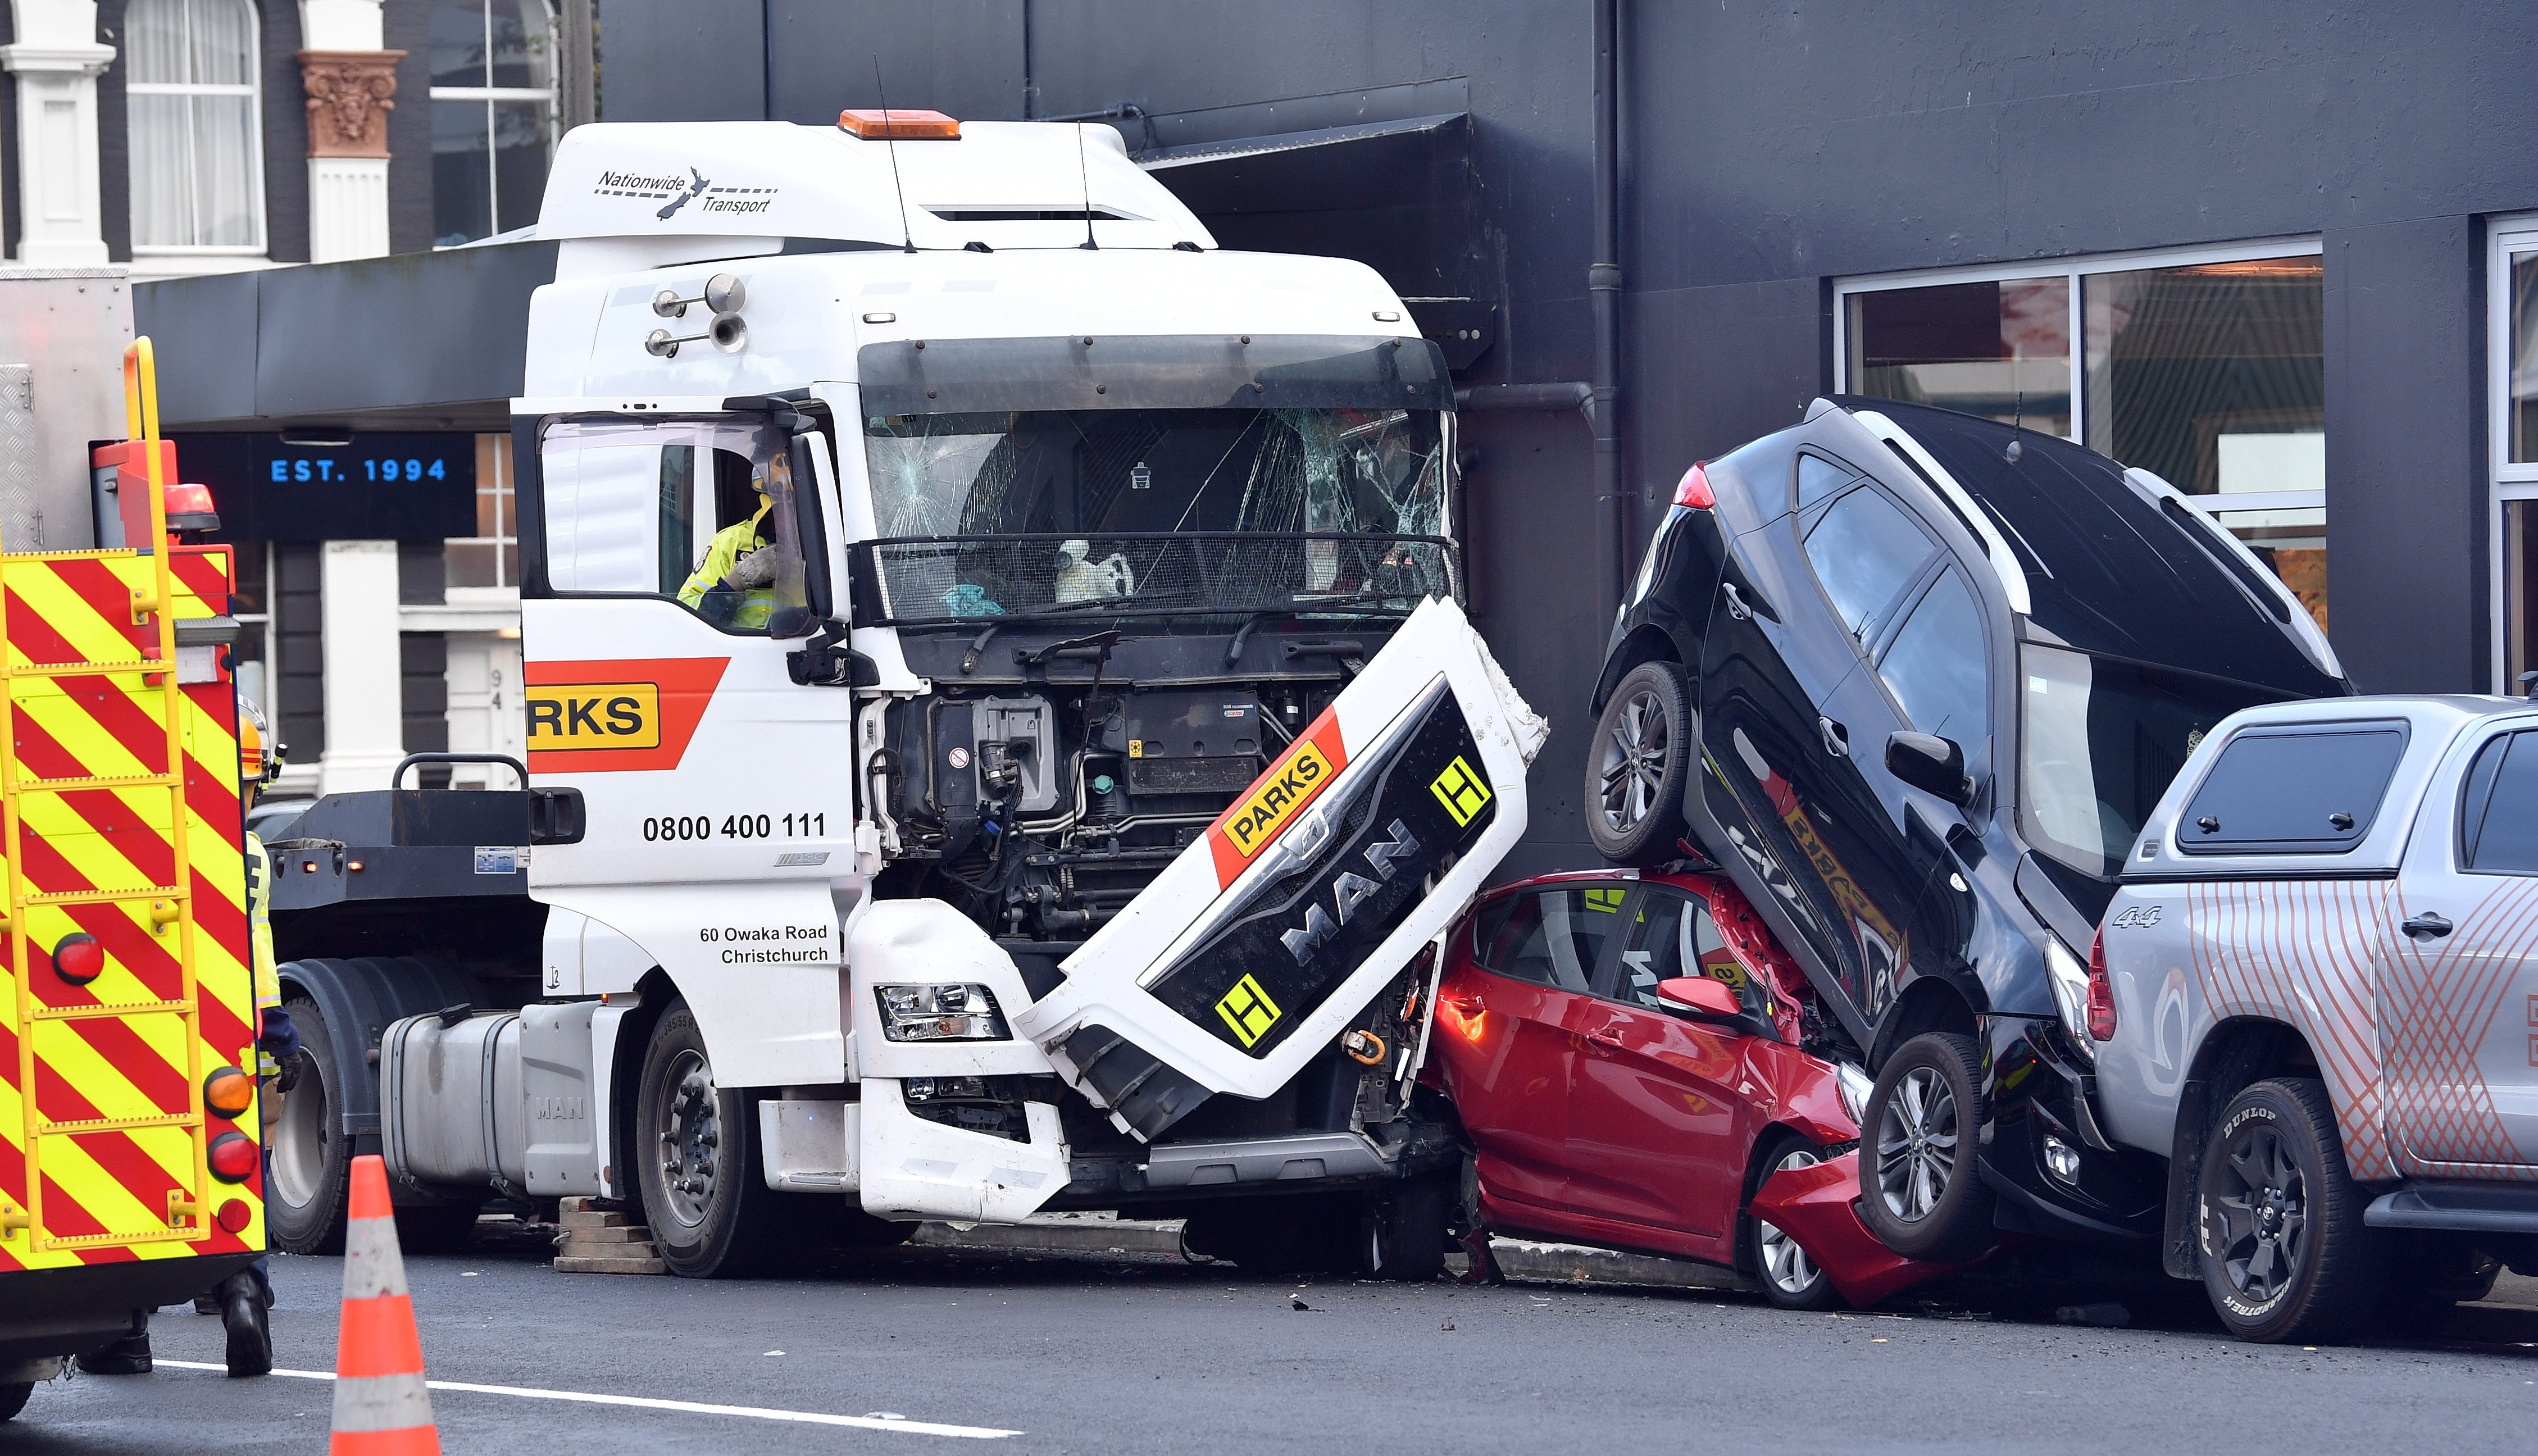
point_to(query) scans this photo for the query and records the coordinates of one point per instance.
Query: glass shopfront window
(2207, 369)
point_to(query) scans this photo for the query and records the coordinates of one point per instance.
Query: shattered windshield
(1169, 511)
(2103, 739)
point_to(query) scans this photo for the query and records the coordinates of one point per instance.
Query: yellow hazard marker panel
(125, 983)
(1248, 1011)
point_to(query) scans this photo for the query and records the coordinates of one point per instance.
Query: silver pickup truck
(2316, 991)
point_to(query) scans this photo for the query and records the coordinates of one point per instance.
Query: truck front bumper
(1287, 1163)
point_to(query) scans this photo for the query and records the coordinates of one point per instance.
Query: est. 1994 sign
(373, 460)
(359, 485)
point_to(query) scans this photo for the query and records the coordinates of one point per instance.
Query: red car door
(1661, 1114)
(1506, 1039)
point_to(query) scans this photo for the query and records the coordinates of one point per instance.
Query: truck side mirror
(811, 538)
(1930, 764)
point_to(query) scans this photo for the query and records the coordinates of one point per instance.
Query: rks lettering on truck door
(595, 715)
(601, 717)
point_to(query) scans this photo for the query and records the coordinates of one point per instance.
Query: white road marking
(647, 1403)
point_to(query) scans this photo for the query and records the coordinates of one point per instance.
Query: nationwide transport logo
(676, 192)
(603, 717)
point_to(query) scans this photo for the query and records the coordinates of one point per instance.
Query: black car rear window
(2292, 791)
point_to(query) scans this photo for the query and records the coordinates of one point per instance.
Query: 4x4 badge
(2136, 917)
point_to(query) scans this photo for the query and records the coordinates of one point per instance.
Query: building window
(2205, 369)
(493, 115)
(492, 556)
(2512, 296)
(196, 143)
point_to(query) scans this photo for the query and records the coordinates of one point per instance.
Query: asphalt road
(1131, 1354)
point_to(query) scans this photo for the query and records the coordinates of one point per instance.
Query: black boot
(251, 1351)
(129, 1356)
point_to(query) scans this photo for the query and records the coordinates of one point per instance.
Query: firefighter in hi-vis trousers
(735, 585)
(242, 1299)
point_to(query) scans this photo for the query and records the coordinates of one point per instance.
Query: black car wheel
(1922, 1195)
(1638, 765)
(711, 1211)
(1788, 1277)
(2286, 1256)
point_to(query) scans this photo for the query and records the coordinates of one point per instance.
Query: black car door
(1784, 678)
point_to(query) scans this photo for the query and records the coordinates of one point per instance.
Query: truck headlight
(955, 1010)
(2070, 977)
(1854, 1086)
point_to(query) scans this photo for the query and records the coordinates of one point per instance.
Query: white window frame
(2504, 237)
(2072, 271)
(488, 95)
(253, 91)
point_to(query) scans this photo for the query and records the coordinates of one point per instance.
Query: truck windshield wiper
(1250, 624)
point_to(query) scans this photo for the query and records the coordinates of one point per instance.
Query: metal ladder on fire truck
(165, 908)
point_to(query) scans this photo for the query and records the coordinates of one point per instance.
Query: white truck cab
(999, 725)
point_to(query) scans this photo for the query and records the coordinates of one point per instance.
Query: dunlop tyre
(2338, 1264)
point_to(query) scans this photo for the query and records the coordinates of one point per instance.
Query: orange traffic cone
(381, 1408)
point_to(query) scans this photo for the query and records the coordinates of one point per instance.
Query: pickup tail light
(2102, 992)
(1694, 488)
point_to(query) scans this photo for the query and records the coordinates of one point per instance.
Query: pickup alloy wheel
(2285, 1254)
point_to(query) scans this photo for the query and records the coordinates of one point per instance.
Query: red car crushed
(1625, 1052)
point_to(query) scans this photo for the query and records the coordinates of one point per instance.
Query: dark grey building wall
(285, 135)
(677, 60)
(2408, 478)
(407, 26)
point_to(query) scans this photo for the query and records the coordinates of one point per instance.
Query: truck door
(671, 566)
(2459, 979)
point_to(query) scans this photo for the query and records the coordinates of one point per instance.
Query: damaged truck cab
(1000, 731)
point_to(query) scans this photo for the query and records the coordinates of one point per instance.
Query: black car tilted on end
(1915, 678)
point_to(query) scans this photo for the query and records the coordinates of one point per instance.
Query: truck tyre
(1308, 1233)
(1770, 1258)
(13, 1398)
(311, 1159)
(696, 1161)
(1922, 1193)
(1638, 765)
(1403, 1233)
(2277, 1221)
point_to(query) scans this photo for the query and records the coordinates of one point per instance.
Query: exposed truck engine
(1002, 734)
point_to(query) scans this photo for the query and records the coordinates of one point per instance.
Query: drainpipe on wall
(1604, 293)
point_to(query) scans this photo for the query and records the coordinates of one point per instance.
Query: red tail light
(232, 1158)
(2102, 992)
(1694, 488)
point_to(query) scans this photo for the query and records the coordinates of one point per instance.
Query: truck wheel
(696, 1166)
(1638, 765)
(311, 1160)
(1773, 1259)
(2285, 1254)
(13, 1398)
(1922, 1195)
(1403, 1233)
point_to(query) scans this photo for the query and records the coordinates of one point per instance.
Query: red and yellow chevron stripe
(104, 1127)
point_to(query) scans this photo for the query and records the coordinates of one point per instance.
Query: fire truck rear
(129, 1141)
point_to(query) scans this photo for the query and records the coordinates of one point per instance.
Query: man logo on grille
(1248, 1011)
(1461, 791)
